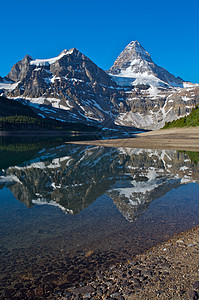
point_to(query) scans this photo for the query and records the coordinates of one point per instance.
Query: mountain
(69, 87)
(165, 97)
(135, 66)
(135, 92)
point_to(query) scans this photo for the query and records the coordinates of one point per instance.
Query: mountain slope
(16, 116)
(9, 107)
(190, 120)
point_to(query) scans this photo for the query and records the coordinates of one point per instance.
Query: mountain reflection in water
(73, 176)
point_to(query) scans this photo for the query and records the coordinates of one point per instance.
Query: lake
(67, 211)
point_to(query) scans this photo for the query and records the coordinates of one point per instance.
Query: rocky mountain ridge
(135, 92)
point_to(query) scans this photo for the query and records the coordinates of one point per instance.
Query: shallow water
(70, 210)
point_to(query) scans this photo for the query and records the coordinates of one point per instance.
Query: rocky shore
(167, 271)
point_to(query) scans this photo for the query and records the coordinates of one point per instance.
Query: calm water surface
(69, 210)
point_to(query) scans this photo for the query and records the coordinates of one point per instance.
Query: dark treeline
(16, 116)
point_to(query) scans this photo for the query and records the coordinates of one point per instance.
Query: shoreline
(168, 270)
(186, 139)
(44, 133)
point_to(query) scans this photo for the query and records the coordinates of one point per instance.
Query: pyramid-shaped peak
(135, 50)
(135, 57)
(135, 62)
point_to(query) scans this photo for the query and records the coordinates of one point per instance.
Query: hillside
(9, 107)
(191, 120)
(15, 116)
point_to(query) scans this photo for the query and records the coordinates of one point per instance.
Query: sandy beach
(175, 139)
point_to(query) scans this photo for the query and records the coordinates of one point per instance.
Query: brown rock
(84, 290)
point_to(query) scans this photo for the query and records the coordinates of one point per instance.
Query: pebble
(99, 292)
(147, 273)
(115, 295)
(87, 296)
(134, 280)
(196, 285)
(83, 290)
(18, 286)
(179, 241)
(193, 295)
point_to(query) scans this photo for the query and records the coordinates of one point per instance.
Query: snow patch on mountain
(153, 120)
(9, 179)
(8, 85)
(128, 78)
(49, 61)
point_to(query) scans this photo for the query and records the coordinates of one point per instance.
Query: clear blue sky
(168, 30)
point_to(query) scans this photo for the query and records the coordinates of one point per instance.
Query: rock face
(20, 70)
(72, 177)
(135, 91)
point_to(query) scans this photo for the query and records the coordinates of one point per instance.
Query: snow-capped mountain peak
(133, 51)
(134, 66)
